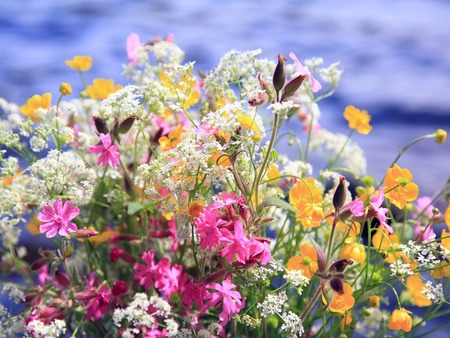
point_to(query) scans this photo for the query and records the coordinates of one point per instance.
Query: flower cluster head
(185, 207)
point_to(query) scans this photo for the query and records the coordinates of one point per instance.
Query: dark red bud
(126, 124)
(62, 278)
(115, 254)
(36, 265)
(85, 296)
(340, 194)
(337, 285)
(119, 288)
(84, 233)
(100, 125)
(292, 86)
(340, 265)
(279, 76)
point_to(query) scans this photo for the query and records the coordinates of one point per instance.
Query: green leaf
(277, 202)
(134, 207)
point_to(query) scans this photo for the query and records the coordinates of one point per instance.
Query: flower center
(58, 219)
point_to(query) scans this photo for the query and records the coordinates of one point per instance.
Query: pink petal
(133, 44)
(106, 140)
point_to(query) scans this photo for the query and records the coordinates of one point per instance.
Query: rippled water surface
(395, 55)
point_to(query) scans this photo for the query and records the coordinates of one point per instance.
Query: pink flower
(133, 45)
(239, 243)
(194, 292)
(424, 205)
(206, 225)
(379, 211)
(259, 250)
(97, 306)
(315, 85)
(425, 234)
(169, 279)
(109, 154)
(356, 207)
(231, 300)
(57, 219)
(146, 274)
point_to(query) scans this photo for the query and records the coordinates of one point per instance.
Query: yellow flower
(101, 89)
(34, 103)
(354, 251)
(307, 261)
(80, 62)
(170, 141)
(341, 302)
(384, 243)
(447, 217)
(358, 119)
(374, 301)
(399, 188)
(65, 88)
(364, 193)
(351, 230)
(273, 174)
(307, 200)
(440, 136)
(400, 320)
(414, 286)
(441, 270)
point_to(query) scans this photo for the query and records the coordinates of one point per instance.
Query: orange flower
(195, 208)
(399, 188)
(170, 141)
(80, 62)
(384, 243)
(341, 302)
(354, 251)
(358, 119)
(33, 225)
(400, 320)
(447, 217)
(101, 89)
(34, 103)
(441, 270)
(351, 231)
(307, 200)
(445, 239)
(307, 261)
(414, 286)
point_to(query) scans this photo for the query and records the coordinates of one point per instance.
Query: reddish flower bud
(84, 233)
(100, 125)
(126, 124)
(49, 314)
(337, 285)
(115, 254)
(340, 265)
(36, 265)
(340, 194)
(292, 86)
(119, 288)
(279, 76)
(62, 279)
(85, 296)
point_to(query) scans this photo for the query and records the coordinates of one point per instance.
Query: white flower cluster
(136, 314)
(297, 278)
(351, 155)
(292, 323)
(62, 174)
(434, 293)
(285, 108)
(10, 326)
(423, 253)
(401, 269)
(13, 292)
(370, 323)
(37, 328)
(124, 103)
(273, 304)
(270, 269)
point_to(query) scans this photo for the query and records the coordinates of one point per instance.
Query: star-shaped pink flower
(109, 154)
(302, 70)
(57, 219)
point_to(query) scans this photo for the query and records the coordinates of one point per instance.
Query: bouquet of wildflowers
(168, 208)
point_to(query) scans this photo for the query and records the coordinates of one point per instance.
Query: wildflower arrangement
(168, 208)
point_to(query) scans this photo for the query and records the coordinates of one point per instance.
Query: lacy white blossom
(331, 74)
(401, 269)
(434, 293)
(297, 278)
(284, 108)
(272, 304)
(62, 174)
(53, 330)
(13, 292)
(292, 323)
(370, 323)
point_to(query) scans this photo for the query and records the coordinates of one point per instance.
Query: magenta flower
(109, 154)
(206, 225)
(315, 85)
(146, 274)
(380, 212)
(133, 44)
(57, 219)
(356, 207)
(239, 244)
(231, 300)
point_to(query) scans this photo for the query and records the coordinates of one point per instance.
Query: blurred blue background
(395, 55)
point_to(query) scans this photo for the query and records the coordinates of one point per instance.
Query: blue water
(395, 55)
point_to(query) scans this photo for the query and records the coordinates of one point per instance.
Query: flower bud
(85, 296)
(100, 125)
(337, 285)
(264, 85)
(119, 288)
(292, 86)
(340, 265)
(84, 233)
(62, 278)
(126, 124)
(440, 136)
(374, 301)
(65, 88)
(340, 194)
(279, 76)
(36, 265)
